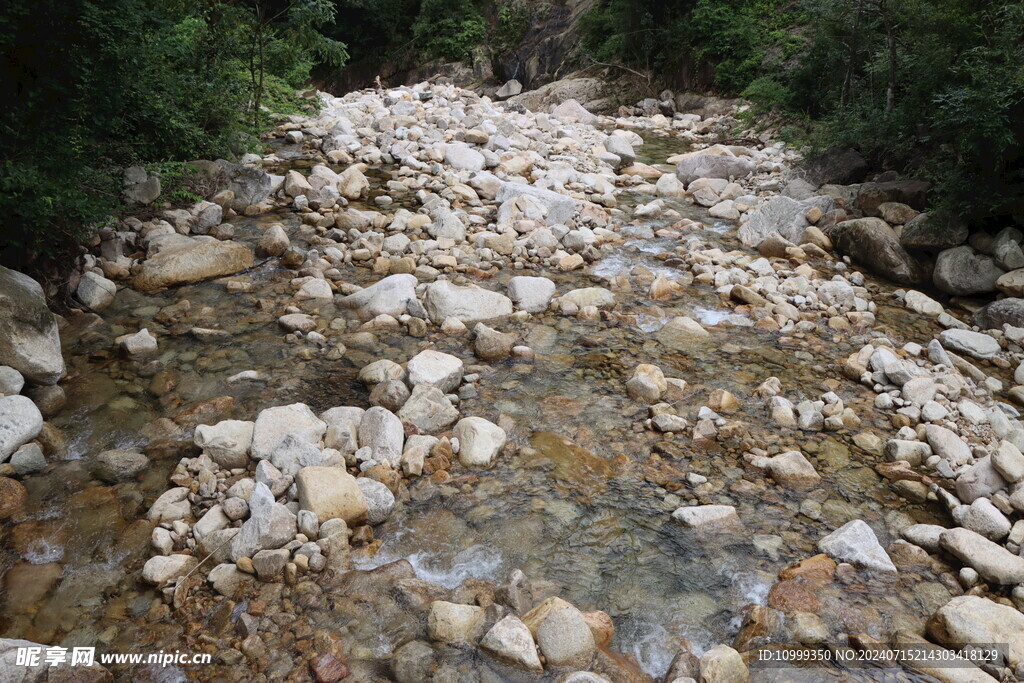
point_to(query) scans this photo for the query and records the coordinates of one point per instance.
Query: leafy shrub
(449, 29)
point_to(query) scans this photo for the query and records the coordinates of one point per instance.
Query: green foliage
(179, 181)
(448, 29)
(514, 17)
(92, 87)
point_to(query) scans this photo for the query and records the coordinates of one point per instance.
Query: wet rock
(452, 623)
(226, 579)
(28, 459)
(381, 431)
(270, 525)
(380, 371)
(414, 662)
(379, 500)
(968, 619)
(565, 638)
(163, 569)
(331, 493)
(138, 344)
(794, 470)
(992, 561)
(328, 669)
(118, 465)
(491, 345)
(722, 664)
(511, 641)
(389, 296)
(273, 242)
(13, 497)
(20, 422)
(480, 441)
(647, 384)
(441, 370)
(855, 542)
(469, 304)
(352, 183)
(531, 294)
(190, 261)
(428, 408)
(708, 517)
(590, 296)
(681, 333)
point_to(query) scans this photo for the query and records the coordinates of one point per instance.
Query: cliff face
(546, 52)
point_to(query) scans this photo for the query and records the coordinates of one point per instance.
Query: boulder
(708, 517)
(247, 184)
(792, 469)
(994, 315)
(118, 465)
(352, 183)
(20, 422)
(531, 294)
(491, 345)
(289, 436)
(786, 216)
(910, 192)
(511, 641)
(571, 109)
(29, 341)
(933, 231)
(970, 619)
(974, 344)
(463, 157)
(961, 271)
(479, 441)
(510, 88)
(389, 296)
(379, 500)
(873, 244)
(647, 384)
(382, 432)
(560, 208)
(565, 638)
(227, 442)
(428, 408)
(449, 622)
(95, 291)
(855, 542)
(331, 493)
(723, 664)
(469, 304)
(703, 165)
(270, 525)
(590, 296)
(992, 561)
(191, 261)
(441, 370)
(835, 166)
(161, 570)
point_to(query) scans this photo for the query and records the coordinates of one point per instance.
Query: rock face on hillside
(29, 341)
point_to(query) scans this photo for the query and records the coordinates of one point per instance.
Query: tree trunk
(890, 91)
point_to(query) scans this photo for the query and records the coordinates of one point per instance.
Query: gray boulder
(20, 422)
(873, 244)
(836, 166)
(29, 341)
(993, 316)
(933, 231)
(961, 271)
(469, 304)
(781, 214)
(250, 185)
(713, 166)
(855, 542)
(561, 208)
(390, 296)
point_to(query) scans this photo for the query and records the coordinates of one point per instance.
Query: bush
(449, 28)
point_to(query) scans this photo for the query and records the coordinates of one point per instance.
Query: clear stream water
(583, 509)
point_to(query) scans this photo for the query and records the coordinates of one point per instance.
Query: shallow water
(583, 509)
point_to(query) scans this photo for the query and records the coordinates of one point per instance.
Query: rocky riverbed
(442, 388)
